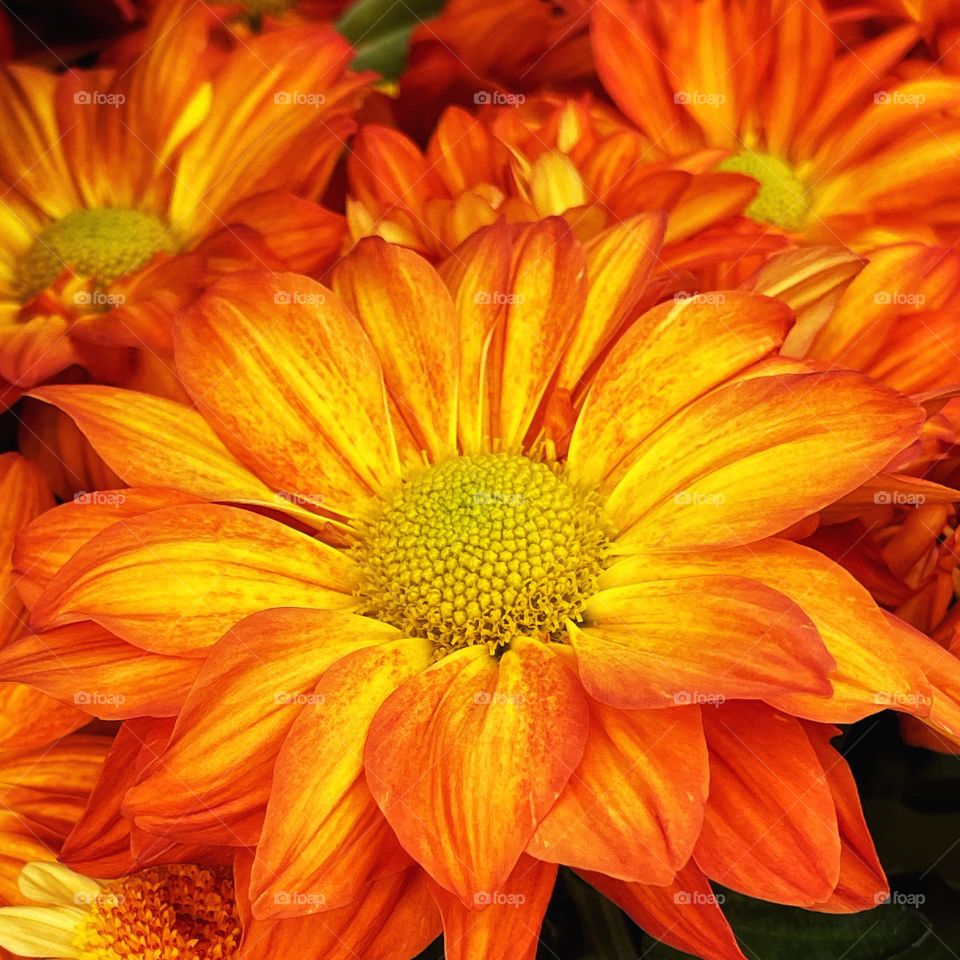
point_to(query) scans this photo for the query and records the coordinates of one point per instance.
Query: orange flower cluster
(416, 484)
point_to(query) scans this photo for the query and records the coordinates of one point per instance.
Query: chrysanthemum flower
(125, 191)
(546, 156)
(841, 151)
(498, 658)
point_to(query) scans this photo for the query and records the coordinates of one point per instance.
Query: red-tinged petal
(619, 264)
(386, 169)
(153, 442)
(685, 914)
(23, 496)
(323, 832)
(756, 456)
(319, 426)
(213, 780)
(634, 806)
(406, 311)
(32, 719)
(394, 919)
(502, 923)
(863, 884)
(669, 357)
(35, 350)
(84, 665)
(666, 642)
(55, 536)
(174, 580)
(770, 829)
(502, 737)
(873, 668)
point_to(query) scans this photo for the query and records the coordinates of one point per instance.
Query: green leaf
(767, 931)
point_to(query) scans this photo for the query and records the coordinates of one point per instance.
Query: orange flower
(435, 644)
(542, 157)
(841, 151)
(125, 191)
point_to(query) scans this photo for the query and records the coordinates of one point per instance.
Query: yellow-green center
(782, 200)
(101, 244)
(483, 549)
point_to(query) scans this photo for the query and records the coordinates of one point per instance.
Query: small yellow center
(181, 912)
(483, 549)
(102, 244)
(782, 200)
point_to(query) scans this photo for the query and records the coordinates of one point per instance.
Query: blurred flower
(842, 150)
(510, 595)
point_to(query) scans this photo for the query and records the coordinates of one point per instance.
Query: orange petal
(53, 538)
(174, 580)
(319, 426)
(634, 806)
(406, 311)
(666, 642)
(668, 358)
(863, 884)
(684, 914)
(23, 496)
(873, 668)
(395, 917)
(323, 832)
(32, 719)
(756, 456)
(770, 829)
(213, 780)
(502, 737)
(502, 923)
(84, 665)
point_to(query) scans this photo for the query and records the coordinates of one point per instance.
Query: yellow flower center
(782, 199)
(483, 549)
(103, 244)
(181, 912)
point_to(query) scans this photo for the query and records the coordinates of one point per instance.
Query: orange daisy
(842, 151)
(436, 646)
(549, 156)
(124, 191)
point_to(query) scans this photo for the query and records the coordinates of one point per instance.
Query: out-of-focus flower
(529, 159)
(544, 555)
(843, 151)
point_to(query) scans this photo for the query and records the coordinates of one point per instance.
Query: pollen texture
(782, 199)
(481, 550)
(103, 243)
(164, 913)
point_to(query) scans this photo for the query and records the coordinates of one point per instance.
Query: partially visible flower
(842, 151)
(525, 160)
